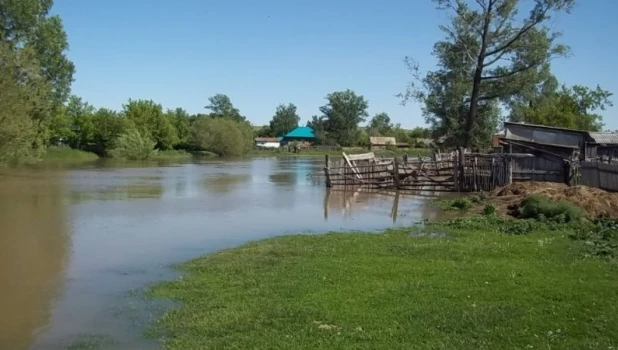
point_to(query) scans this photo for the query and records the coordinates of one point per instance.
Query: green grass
(66, 154)
(171, 154)
(461, 284)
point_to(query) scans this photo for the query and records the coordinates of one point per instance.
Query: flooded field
(77, 245)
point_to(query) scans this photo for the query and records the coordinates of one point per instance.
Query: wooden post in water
(396, 172)
(327, 171)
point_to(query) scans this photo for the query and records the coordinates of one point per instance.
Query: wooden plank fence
(599, 175)
(457, 172)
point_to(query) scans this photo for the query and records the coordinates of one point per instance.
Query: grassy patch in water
(67, 154)
(171, 154)
(460, 284)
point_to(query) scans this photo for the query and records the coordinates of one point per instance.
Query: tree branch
(538, 19)
(511, 73)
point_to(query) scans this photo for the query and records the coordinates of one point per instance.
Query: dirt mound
(596, 202)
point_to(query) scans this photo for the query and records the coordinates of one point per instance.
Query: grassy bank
(170, 154)
(413, 152)
(461, 284)
(66, 154)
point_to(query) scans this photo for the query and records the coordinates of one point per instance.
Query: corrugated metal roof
(605, 137)
(301, 132)
(382, 141)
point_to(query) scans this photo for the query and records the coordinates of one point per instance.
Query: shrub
(542, 208)
(133, 146)
(489, 209)
(223, 136)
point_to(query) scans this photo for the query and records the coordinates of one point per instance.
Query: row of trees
(495, 64)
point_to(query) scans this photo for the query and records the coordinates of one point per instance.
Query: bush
(133, 146)
(223, 136)
(489, 209)
(542, 208)
(457, 204)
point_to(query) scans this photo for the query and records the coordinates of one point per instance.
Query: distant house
(267, 142)
(302, 134)
(402, 144)
(380, 142)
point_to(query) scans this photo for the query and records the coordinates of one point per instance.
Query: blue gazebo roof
(301, 132)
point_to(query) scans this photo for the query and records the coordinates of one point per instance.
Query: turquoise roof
(301, 132)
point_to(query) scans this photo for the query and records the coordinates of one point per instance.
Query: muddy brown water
(78, 243)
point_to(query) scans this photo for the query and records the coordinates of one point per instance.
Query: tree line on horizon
(493, 65)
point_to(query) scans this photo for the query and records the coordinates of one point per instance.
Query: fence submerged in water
(457, 171)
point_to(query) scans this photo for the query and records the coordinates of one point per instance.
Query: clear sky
(263, 53)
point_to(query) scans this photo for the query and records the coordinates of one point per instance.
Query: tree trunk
(476, 83)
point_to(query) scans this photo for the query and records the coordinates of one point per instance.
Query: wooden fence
(457, 172)
(599, 175)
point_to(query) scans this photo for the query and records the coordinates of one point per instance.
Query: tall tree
(182, 123)
(220, 106)
(80, 114)
(342, 114)
(507, 54)
(443, 94)
(19, 98)
(148, 118)
(380, 125)
(27, 24)
(285, 120)
(108, 126)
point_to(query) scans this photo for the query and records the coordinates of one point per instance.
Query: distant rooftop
(301, 132)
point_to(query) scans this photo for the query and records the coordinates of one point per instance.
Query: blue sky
(263, 53)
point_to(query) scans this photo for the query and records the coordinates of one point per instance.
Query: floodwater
(78, 243)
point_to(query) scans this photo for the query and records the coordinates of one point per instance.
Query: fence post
(396, 172)
(462, 168)
(509, 170)
(327, 171)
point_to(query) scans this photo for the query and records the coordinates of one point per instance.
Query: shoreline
(465, 282)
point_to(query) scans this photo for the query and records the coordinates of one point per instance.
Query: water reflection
(222, 182)
(33, 252)
(350, 202)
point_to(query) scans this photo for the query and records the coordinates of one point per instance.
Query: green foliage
(264, 131)
(181, 121)
(341, 116)
(20, 140)
(107, 127)
(285, 120)
(221, 107)
(489, 209)
(489, 54)
(148, 118)
(462, 203)
(67, 154)
(380, 125)
(567, 108)
(542, 208)
(132, 145)
(223, 136)
(601, 239)
(80, 115)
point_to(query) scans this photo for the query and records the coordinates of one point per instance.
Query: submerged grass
(171, 154)
(458, 284)
(66, 154)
